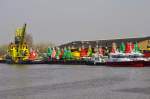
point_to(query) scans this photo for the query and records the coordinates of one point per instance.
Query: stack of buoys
(53, 55)
(101, 51)
(64, 55)
(83, 52)
(75, 53)
(136, 47)
(49, 53)
(33, 55)
(58, 52)
(132, 46)
(122, 48)
(114, 48)
(67, 55)
(61, 53)
(129, 47)
(90, 52)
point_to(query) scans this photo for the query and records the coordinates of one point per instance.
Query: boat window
(134, 56)
(96, 58)
(118, 56)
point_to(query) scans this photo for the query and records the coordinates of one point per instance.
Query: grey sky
(61, 21)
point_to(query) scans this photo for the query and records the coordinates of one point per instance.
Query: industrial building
(143, 42)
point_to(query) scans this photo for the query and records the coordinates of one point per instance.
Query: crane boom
(23, 33)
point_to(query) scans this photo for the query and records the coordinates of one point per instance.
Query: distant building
(142, 42)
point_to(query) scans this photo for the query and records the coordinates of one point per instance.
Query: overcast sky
(61, 21)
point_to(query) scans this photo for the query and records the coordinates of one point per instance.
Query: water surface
(73, 82)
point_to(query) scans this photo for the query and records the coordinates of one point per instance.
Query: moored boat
(128, 56)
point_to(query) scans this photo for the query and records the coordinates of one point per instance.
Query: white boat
(131, 58)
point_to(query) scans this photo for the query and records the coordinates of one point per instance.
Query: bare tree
(42, 47)
(29, 40)
(3, 50)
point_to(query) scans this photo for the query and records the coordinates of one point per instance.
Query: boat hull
(10, 61)
(147, 63)
(67, 62)
(96, 64)
(126, 64)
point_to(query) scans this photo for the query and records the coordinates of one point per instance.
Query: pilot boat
(127, 56)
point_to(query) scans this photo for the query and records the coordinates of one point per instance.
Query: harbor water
(73, 82)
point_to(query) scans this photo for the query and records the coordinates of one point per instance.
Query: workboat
(128, 55)
(18, 50)
(122, 59)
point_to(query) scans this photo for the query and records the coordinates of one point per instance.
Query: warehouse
(143, 43)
